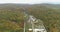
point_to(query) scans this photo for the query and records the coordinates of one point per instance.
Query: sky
(31, 1)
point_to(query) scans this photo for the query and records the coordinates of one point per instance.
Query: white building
(38, 30)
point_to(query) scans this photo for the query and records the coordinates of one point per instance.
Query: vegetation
(50, 17)
(12, 17)
(11, 21)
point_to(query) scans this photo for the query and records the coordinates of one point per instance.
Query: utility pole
(24, 23)
(32, 21)
(24, 26)
(32, 26)
(25, 20)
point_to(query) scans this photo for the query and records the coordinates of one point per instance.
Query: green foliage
(11, 21)
(12, 17)
(50, 17)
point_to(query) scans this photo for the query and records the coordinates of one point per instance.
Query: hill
(12, 17)
(50, 16)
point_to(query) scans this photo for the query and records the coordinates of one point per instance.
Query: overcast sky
(30, 1)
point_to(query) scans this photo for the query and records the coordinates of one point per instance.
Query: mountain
(55, 6)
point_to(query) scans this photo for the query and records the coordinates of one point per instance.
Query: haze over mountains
(56, 6)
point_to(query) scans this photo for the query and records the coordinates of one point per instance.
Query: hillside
(12, 17)
(50, 17)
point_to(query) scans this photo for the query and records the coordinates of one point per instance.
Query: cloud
(29, 1)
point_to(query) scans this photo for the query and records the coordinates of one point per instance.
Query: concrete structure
(38, 30)
(35, 24)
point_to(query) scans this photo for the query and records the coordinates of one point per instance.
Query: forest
(12, 17)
